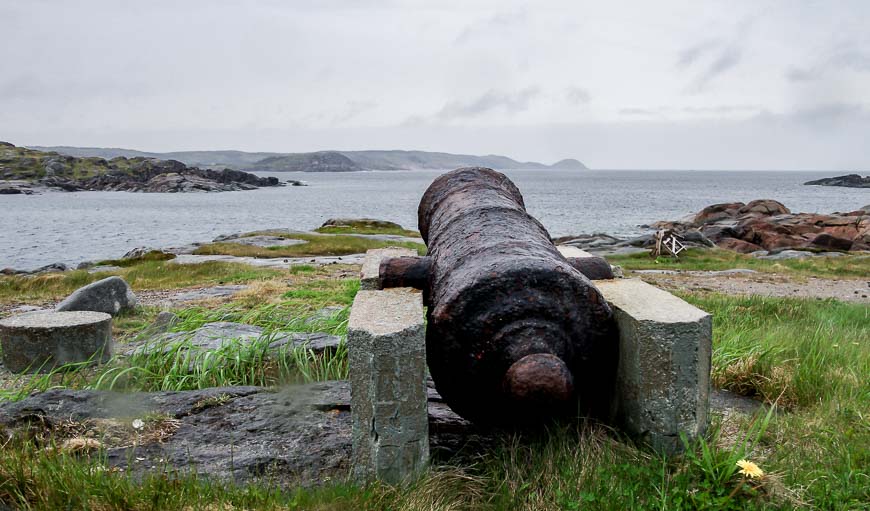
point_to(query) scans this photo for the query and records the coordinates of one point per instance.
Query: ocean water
(73, 227)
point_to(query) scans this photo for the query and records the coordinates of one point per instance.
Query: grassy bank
(810, 357)
(364, 226)
(278, 301)
(315, 245)
(846, 266)
(145, 275)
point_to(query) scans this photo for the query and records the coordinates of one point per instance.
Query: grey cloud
(795, 74)
(577, 95)
(498, 21)
(638, 112)
(697, 111)
(492, 100)
(353, 109)
(693, 53)
(726, 60)
(30, 86)
(831, 113)
(723, 109)
(848, 56)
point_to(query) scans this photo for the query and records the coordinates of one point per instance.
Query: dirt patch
(764, 284)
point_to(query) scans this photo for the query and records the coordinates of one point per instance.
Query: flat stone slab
(208, 293)
(281, 263)
(648, 303)
(266, 241)
(296, 435)
(371, 266)
(797, 254)
(104, 269)
(569, 251)
(42, 340)
(214, 336)
(386, 237)
(324, 314)
(696, 273)
(663, 374)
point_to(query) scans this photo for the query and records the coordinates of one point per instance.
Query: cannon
(516, 333)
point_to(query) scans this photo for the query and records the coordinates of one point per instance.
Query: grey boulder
(110, 295)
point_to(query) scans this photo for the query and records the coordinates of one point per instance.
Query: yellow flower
(750, 469)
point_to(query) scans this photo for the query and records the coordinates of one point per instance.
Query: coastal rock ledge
(850, 181)
(769, 225)
(26, 171)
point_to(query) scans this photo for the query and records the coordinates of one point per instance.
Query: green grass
(847, 266)
(811, 357)
(801, 351)
(142, 276)
(181, 368)
(317, 245)
(233, 364)
(154, 255)
(291, 310)
(398, 230)
(368, 226)
(41, 479)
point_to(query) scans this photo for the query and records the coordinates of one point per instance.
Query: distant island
(321, 161)
(849, 181)
(27, 171)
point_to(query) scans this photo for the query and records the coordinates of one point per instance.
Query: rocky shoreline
(25, 171)
(765, 229)
(849, 181)
(762, 228)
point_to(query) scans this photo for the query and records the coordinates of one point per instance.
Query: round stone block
(40, 341)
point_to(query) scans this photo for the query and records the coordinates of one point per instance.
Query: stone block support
(387, 357)
(663, 377)
(41, 341)
(368, 277)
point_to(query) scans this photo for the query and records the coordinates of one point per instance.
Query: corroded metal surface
(515, 333)
(404, 272)
(594, 268)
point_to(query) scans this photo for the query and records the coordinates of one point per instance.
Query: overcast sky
(644, 84)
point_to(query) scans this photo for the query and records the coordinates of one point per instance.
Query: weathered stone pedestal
(41, 341)
(387, 357)
(663, 377)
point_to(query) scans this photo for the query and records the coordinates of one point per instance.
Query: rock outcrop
(769, 225)
(25, 171)
(850, 181)
(291, 436)
(111, 295)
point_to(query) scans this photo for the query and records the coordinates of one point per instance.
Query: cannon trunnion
(516, 334)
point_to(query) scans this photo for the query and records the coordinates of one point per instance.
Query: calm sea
(73, 227)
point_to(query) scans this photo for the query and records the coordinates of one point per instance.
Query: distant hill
(568, 164)
(322, 161)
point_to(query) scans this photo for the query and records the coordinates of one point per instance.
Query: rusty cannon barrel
(515, 332)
